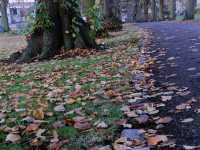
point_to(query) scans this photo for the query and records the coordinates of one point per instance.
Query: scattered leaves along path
(176, 49)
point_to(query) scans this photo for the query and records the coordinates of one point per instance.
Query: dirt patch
(10, 43)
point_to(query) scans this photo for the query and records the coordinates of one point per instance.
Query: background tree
(190, 8)
(154, 10)
(4, 15)
(161, 9)
(146, 9)
(172, 9)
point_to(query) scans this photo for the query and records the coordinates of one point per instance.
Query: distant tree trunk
(3, 9)
(138, 8)
(146, 10)
(45, 43)
(172, 9)
(190, 8)
(107, 9)
(161, 9)
(153, 10)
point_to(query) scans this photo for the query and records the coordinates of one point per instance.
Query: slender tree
(190, 8)
(172, 9)
(154, 10)
(146, 9)
(161, 9)
(4, 15)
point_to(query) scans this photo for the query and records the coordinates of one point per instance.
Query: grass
(27, 86)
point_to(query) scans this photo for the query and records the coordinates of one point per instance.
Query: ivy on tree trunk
(58, 24)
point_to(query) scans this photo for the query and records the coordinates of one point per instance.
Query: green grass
(67, 132)
(66, 73)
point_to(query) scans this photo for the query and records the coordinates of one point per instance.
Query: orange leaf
(71, 101)
(38, 114)
(157, 139)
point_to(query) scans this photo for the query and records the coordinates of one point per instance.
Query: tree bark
(190, 8)
(161, 9)
(52, 38)
(146, 10)
(153, 10)
(3, 8)
(138, 8)
(172, 9)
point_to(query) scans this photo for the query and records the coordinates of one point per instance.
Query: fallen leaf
(166, 98)
(58, 145)
(155, 140)
(14, 138)
(55, 137)
(59, 108)
(164, 120)
(32, 127)
(102, 125)
(70, 101)
(111, 93)
(39, 134)
(69, 122)
(82, 126)
(187, 120)
(56, 93)
(81, 123)
(188, 147)
(182, 106)
(38, 114)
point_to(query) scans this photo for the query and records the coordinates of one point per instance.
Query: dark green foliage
(42, 21)
(95, 19)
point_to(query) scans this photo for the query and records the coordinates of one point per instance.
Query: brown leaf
(38, 114)
(164, 120)
(32, 127)
(70, 101)
(112, 93)
(82, 126)
(69, 122)
(56, 93)
(35, 142)
(155, 140)
(14, 138)
(58, 145)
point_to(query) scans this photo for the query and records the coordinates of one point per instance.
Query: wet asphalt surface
(177, 50)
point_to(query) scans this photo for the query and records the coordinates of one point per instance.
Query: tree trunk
(153, 10)
(3, 7)
(138, 8)
(46, 43)
(52, 38)
(172, 9)
(190, 8)
(107, 9)
(161, 9)
(146, 10)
